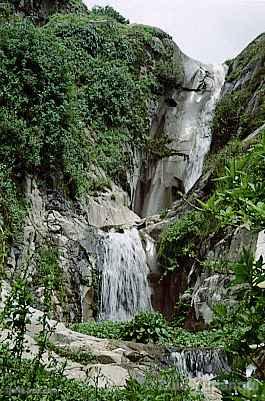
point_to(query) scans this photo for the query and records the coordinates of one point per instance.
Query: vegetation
(39, 11)
(145, 327)
(107, 12)
(152, 328)
(242, 110)
(163, 386)
(238, 200)
(246, 318)
(104, 329)
(83, 357)
(32, 380)
(80, 80)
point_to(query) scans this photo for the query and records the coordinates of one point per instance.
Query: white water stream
(188, 126)
(197, 117)
(124, 285)
(199, 362)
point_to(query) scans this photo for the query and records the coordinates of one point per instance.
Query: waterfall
(197, 120)
(200, 362)
(188, 127)
(124, 285)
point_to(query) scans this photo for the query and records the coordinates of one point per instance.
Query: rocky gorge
(131, 183)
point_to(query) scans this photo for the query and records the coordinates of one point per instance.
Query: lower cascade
(124, 284)
(200, 362)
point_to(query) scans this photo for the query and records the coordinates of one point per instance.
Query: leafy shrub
(250, 390)
(183, 238)
(165, 385)
(143, 329)
(146, 327)
(239, 198)
(109, 12)
(37, 124)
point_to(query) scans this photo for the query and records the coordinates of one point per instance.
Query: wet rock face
(166, 291)
(212, 286)
(210, 290)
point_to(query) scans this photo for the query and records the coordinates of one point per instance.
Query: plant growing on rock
(146, 327)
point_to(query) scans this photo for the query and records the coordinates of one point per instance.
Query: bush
(183, 238)
(146, 327)
(108, 12)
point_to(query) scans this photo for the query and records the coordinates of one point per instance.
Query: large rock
(212, 286)
(112, 362)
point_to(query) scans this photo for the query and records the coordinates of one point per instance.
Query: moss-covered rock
(242, 107)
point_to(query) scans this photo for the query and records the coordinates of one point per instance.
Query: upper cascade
(197, 116)
(187, 125)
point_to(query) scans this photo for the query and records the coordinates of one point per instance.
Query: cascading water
(200, 362)
(124, 285)
(197, 118)
(187, 126)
